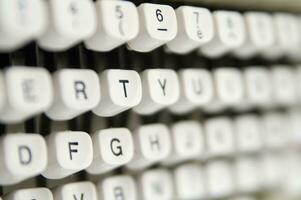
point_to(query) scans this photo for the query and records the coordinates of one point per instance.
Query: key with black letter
(121, 90)
(113, 147)
(69, 152)
(23, 156)
(76, 91)
(76, 191)
(160, 89)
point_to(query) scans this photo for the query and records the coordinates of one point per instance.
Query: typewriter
(150, 100)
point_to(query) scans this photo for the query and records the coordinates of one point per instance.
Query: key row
(29, 91)
(105, 25)
(215, 179)
(25, 155)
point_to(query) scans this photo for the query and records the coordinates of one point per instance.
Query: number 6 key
(158, 25)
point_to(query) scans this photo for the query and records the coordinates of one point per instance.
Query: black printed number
(159, 15)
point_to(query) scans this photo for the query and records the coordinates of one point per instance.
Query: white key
(258, 86)
(76, 91)
(271, 166)
(70, 22)
(69, 152)
(260, 34)
(219, 179)
(284, 88)
(291, 183)
(294, 117)
(117, 23)
(196, 90)
(20, 22)
(120, 187)
(160, 89)
(195, 28)
(152, 145)
(156, 184)
(229, 87)
(121, 90)
(246, 175)
(230, 34)
(275, 131)
(23, 156)
(287, 36)
(77, 191)
(248, 133)
(158, 25)
(29, 92)
(189, 182)
(219, 136)
(112, 148)
(188, 141)
(30, 193)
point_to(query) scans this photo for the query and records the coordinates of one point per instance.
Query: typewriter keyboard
(149, 100)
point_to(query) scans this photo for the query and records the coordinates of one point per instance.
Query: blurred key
(20, 22)
(190, 182)
(219, 136)
(152, 145)
(29, 92)
(117, 187)
(23, 156)
(156, 184)
(196, 90)
(260, 34)
(70, 22)
(195, 28)
(121, 90)
(117, 23)
(30, 193)
(229, 34)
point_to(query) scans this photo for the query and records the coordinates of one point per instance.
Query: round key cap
(29, 92)
(70, 22)
(30, 193)
(158, 25)
(230, 34)
(113, 148)
(117, 187)
(69, 152)
(117, 23)
(20, 22)
(195, 27)
(23, 156)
